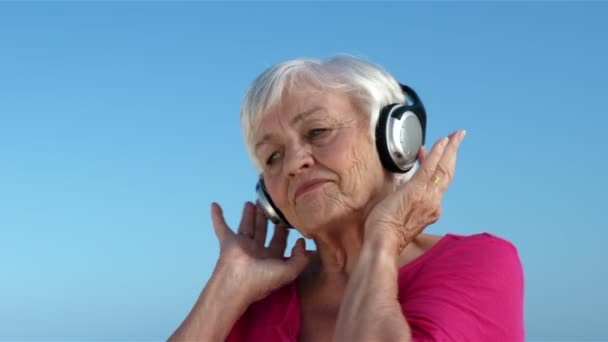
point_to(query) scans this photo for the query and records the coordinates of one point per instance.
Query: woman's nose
(298, 160)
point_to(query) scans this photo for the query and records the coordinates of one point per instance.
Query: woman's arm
(217, 309)
(246, 271)
(370, 309)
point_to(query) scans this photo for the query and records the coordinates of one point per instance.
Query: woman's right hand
(245, 261)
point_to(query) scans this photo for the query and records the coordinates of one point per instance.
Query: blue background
(119, 126)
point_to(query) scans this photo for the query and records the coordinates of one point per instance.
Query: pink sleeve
(274, 318)
(472, 291)
(238, 330)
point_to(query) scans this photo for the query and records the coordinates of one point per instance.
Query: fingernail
(461, 135)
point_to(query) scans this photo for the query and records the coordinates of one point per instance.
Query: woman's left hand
(405, 213)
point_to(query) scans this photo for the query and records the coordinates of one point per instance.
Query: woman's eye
(273, 157)
(315, 132)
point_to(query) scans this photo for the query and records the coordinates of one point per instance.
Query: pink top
(465, 288)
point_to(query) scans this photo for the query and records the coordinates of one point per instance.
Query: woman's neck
(339, 244)
(339, 252)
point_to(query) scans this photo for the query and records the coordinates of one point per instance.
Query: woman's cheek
(277, 195)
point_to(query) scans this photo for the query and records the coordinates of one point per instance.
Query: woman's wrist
(216, 310)
(229, 290)
(384, 239)
(379, 253)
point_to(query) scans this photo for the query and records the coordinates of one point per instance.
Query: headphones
(400, 133)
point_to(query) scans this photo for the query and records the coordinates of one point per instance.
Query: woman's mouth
(309, 186)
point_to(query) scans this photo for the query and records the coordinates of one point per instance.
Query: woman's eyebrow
(298, 117)
(264, 140)
(304, 114)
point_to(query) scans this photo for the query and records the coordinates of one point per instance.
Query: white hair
(367, 83)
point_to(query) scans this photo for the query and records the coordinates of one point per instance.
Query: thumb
(300, 258)
(219, 224)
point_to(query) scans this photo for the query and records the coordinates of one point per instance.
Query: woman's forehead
(293, 108)
(297, 100)
(312, 105)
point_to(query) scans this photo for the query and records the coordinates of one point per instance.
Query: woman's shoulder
(472, 245)
(468, 287)
(477, 253)
(482, 246)
(480, 238)
(271, 318)
(279, 304)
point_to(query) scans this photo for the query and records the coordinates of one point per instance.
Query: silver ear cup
(404, 137)
(266, 205)
(270, 209)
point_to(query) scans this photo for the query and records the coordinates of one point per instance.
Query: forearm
(215, 312)
(370, 309)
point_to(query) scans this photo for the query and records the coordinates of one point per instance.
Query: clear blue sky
(119, 126)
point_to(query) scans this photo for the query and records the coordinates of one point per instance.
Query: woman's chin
(314, 215)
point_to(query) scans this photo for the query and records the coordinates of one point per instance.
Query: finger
(247, 225)
(427, 168)
(298, 261)
(447, 164)
(261, 225)
(279, 240)
(219, 224)
(421, 155)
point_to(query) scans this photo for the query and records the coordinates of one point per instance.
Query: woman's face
(320, 161)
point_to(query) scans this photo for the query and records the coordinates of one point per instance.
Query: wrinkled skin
(314, 135)
(332, 143)
(322, 170)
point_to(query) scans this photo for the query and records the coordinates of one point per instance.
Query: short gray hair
(371, 85)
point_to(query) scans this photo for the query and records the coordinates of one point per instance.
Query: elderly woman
(331, 140)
